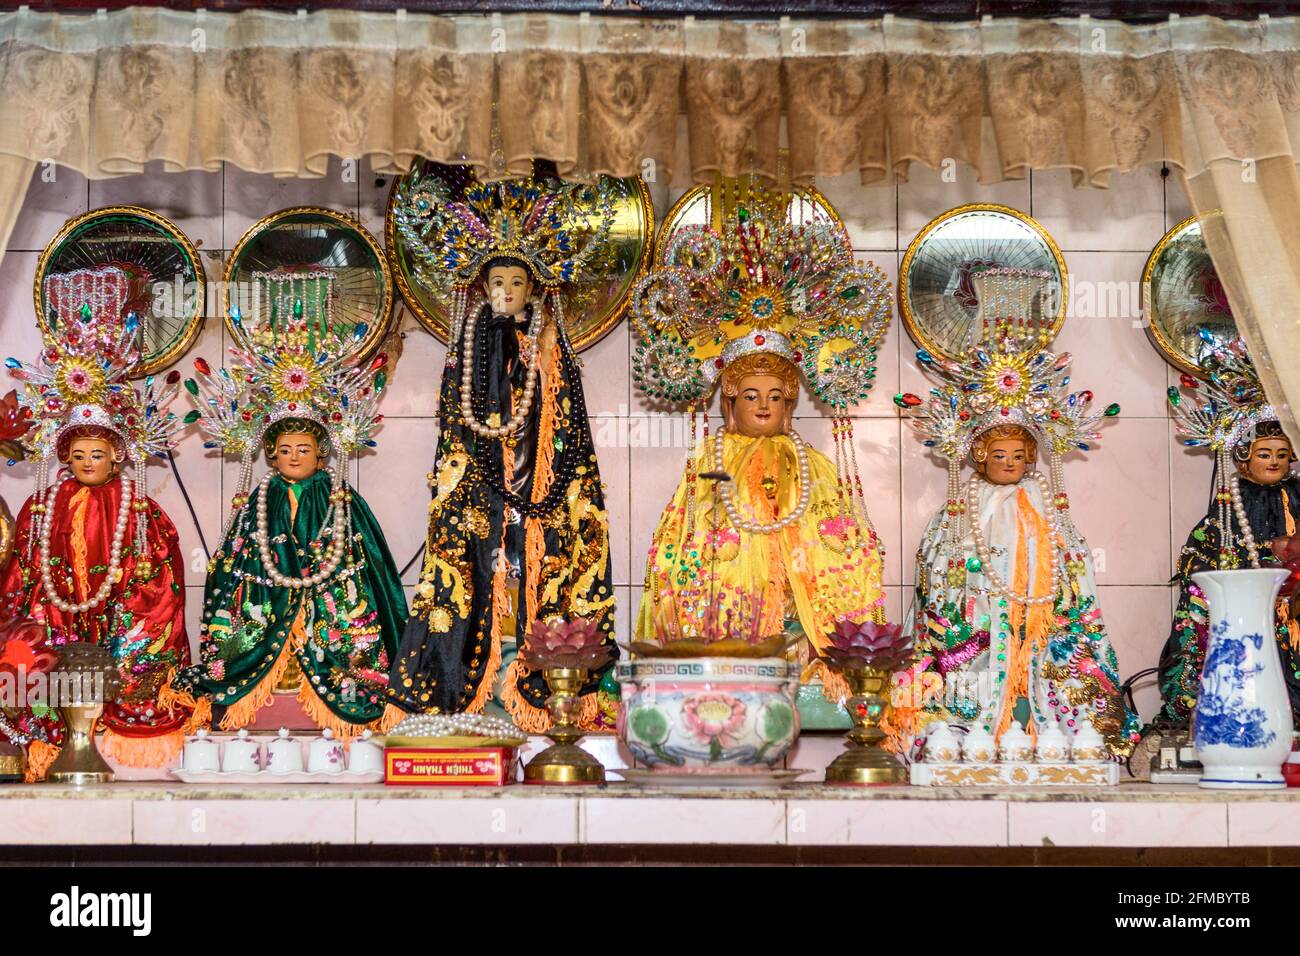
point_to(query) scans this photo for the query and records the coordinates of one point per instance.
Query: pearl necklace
(332, 557)
(756, 527)
(1239, 508)
(996, 584)
(462, 724)
(467, 383)
(114, 560)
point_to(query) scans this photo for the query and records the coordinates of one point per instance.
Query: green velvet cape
(353, 621)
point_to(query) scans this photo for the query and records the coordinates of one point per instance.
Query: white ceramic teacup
(1053, 747)
(325, 754)
(201, 752)
(284, 754)
(979, 746)
(366, 754)
(242, 754)
(1088, 746)
(941, 744)
(1015, 746)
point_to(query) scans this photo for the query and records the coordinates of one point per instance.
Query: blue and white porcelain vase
(1243, 715)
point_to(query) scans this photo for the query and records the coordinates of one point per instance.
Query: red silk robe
(142, 623)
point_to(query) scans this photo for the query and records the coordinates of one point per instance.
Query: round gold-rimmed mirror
(167, 278)
(313, 240)
(709, 205)
(936, 288)
(1183, 297)
(593, 306)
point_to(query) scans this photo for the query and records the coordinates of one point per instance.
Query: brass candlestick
(88, 678)
(564, 762)
(79, 761)
(865, 762)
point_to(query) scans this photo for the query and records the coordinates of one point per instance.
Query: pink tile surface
(1137, 619)
(41, 821)
(1118, 824)
(1128, 215)
(606, 374)
(403, 517)
(897, 823)
(684, 820)
(1103, 332)
(236, 822)
(478, 819)
(55, 195)
(1264, 824)
(250, 196)
(1129, 467)
(926, 194)
(416, 373)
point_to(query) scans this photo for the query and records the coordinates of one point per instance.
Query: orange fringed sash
(80, 564)
(500, 599)
(156, 751)
(39, 757)
(1037, 621)
(244, 711)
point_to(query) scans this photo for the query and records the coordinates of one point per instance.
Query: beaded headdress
(760, 284)
(295, 365)
(1224, 414)
(553, 227)
(1007, 379)
(92, 343)
(1231, 403)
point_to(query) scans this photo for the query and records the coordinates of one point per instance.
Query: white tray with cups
(1014, 760)
(244, 759)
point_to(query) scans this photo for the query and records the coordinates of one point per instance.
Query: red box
(449, 767)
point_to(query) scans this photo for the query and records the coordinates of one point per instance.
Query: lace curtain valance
(277, 93)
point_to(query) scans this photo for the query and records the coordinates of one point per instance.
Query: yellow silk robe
(819, 570)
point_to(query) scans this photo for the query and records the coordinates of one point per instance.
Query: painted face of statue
(760, 408)
(1270, 460)
(297, 456)
(91, 461)
(1007, 461)
(508, 289)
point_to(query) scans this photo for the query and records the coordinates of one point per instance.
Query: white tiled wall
(1121, 493)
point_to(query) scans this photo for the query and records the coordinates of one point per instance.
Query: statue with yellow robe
(766, 544)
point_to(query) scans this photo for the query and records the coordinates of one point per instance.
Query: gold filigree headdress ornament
(552, 227)
(1009, 379)
(761, 285)
(296, 368)
(1224, 415)
(92, 343)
